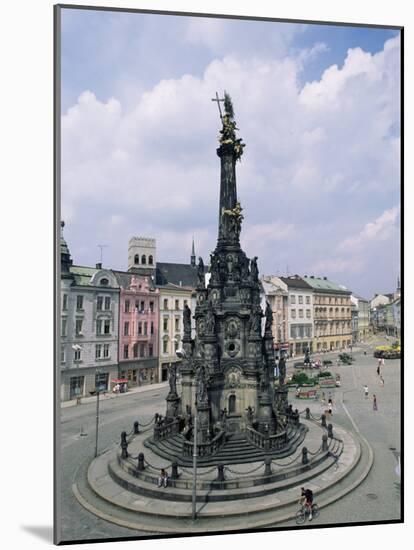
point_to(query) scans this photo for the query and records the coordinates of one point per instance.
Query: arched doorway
(232, 404)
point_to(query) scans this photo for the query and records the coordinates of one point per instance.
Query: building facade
(361, 322)
(173, 299)
(332, 314)
(276, 293)
(300, 313)
(89, 327)
(138, 334)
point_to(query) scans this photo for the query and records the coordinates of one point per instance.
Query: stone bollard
(323, 421)
(330, 430)
(307, 413)
(268, 466)
(174, 470)
(124, 445)
(305, 458)
(141, 466)
(136, 427)
(324, 442)
(220, 472)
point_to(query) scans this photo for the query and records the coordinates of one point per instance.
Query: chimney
(325, 278)
(312, 276)
(99, 265)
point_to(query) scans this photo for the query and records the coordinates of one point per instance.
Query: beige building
(332, 314)
(276, 294)
(173, 298)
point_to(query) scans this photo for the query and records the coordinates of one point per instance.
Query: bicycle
(303, 512)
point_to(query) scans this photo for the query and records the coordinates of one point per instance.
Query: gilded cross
(218, 103)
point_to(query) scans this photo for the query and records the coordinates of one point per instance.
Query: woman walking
(374, 402)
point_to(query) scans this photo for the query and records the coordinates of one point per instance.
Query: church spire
(193, 256)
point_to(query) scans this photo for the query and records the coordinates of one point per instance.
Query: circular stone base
(111, 489)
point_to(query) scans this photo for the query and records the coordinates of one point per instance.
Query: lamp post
(181, 353)
(97, 391)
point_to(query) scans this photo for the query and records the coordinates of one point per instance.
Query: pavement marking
(350, 417)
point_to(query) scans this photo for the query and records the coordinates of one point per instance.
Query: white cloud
(381, 229)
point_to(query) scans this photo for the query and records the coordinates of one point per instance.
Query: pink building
(138, 329)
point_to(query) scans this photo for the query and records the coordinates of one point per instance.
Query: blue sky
(317, 105)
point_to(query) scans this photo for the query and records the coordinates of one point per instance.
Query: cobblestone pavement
(376, 499)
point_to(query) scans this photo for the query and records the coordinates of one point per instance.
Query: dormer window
(104, 282)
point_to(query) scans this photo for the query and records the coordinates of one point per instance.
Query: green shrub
(325, 374)
(301, 378)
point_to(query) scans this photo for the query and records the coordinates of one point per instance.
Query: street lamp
(181, 354)
(77, 347)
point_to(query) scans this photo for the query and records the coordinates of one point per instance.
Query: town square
(238, 385)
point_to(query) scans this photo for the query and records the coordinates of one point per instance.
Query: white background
(26, 252)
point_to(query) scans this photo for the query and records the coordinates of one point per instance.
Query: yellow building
(331, 313)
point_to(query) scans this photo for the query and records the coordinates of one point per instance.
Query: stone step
(259, 486)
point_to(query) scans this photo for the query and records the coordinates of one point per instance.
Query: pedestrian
(163, 479)
(382, 361)
(323, 398)
(374, 402)
(379, 369)
(382, 382)
(366, 391)
(330, 405)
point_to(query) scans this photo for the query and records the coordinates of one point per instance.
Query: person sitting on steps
(163, 479)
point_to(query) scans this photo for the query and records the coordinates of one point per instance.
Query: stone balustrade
(205, 449)
(273, 442)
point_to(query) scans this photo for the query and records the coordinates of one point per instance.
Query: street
(377, 498)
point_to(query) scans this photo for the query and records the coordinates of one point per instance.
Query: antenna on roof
(102, 246)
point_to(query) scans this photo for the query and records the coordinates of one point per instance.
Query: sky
(318, 107)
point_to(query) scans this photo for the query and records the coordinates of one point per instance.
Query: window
(107, 326)
(104, 282)
(65, 302)
(308, 314)
(136, 259)
(107, 302)
(301, 299)
(79, 302)
(166, 303)
(142, 350)
(177, 304)
(150, 351)
(135, 350)
(301, 313)
(99, 303)
(307, 300)
(293, 299)
(142, 306)
(293, 314)
(62, 354)
(64, 325)
(106, 351)
(151, 307)
(177, 324)
(140, 328)
(77, 356)
(126, 328)
(78, 327)
(98, 351)
(150, 260)
(165, 346)
(126, 351)
(99, 326)
(126, 306)
(143, 259)
(165, 324)
(145, 328)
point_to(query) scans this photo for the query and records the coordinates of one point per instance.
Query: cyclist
(306, 500)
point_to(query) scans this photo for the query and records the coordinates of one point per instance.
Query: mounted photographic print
(228, 286)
